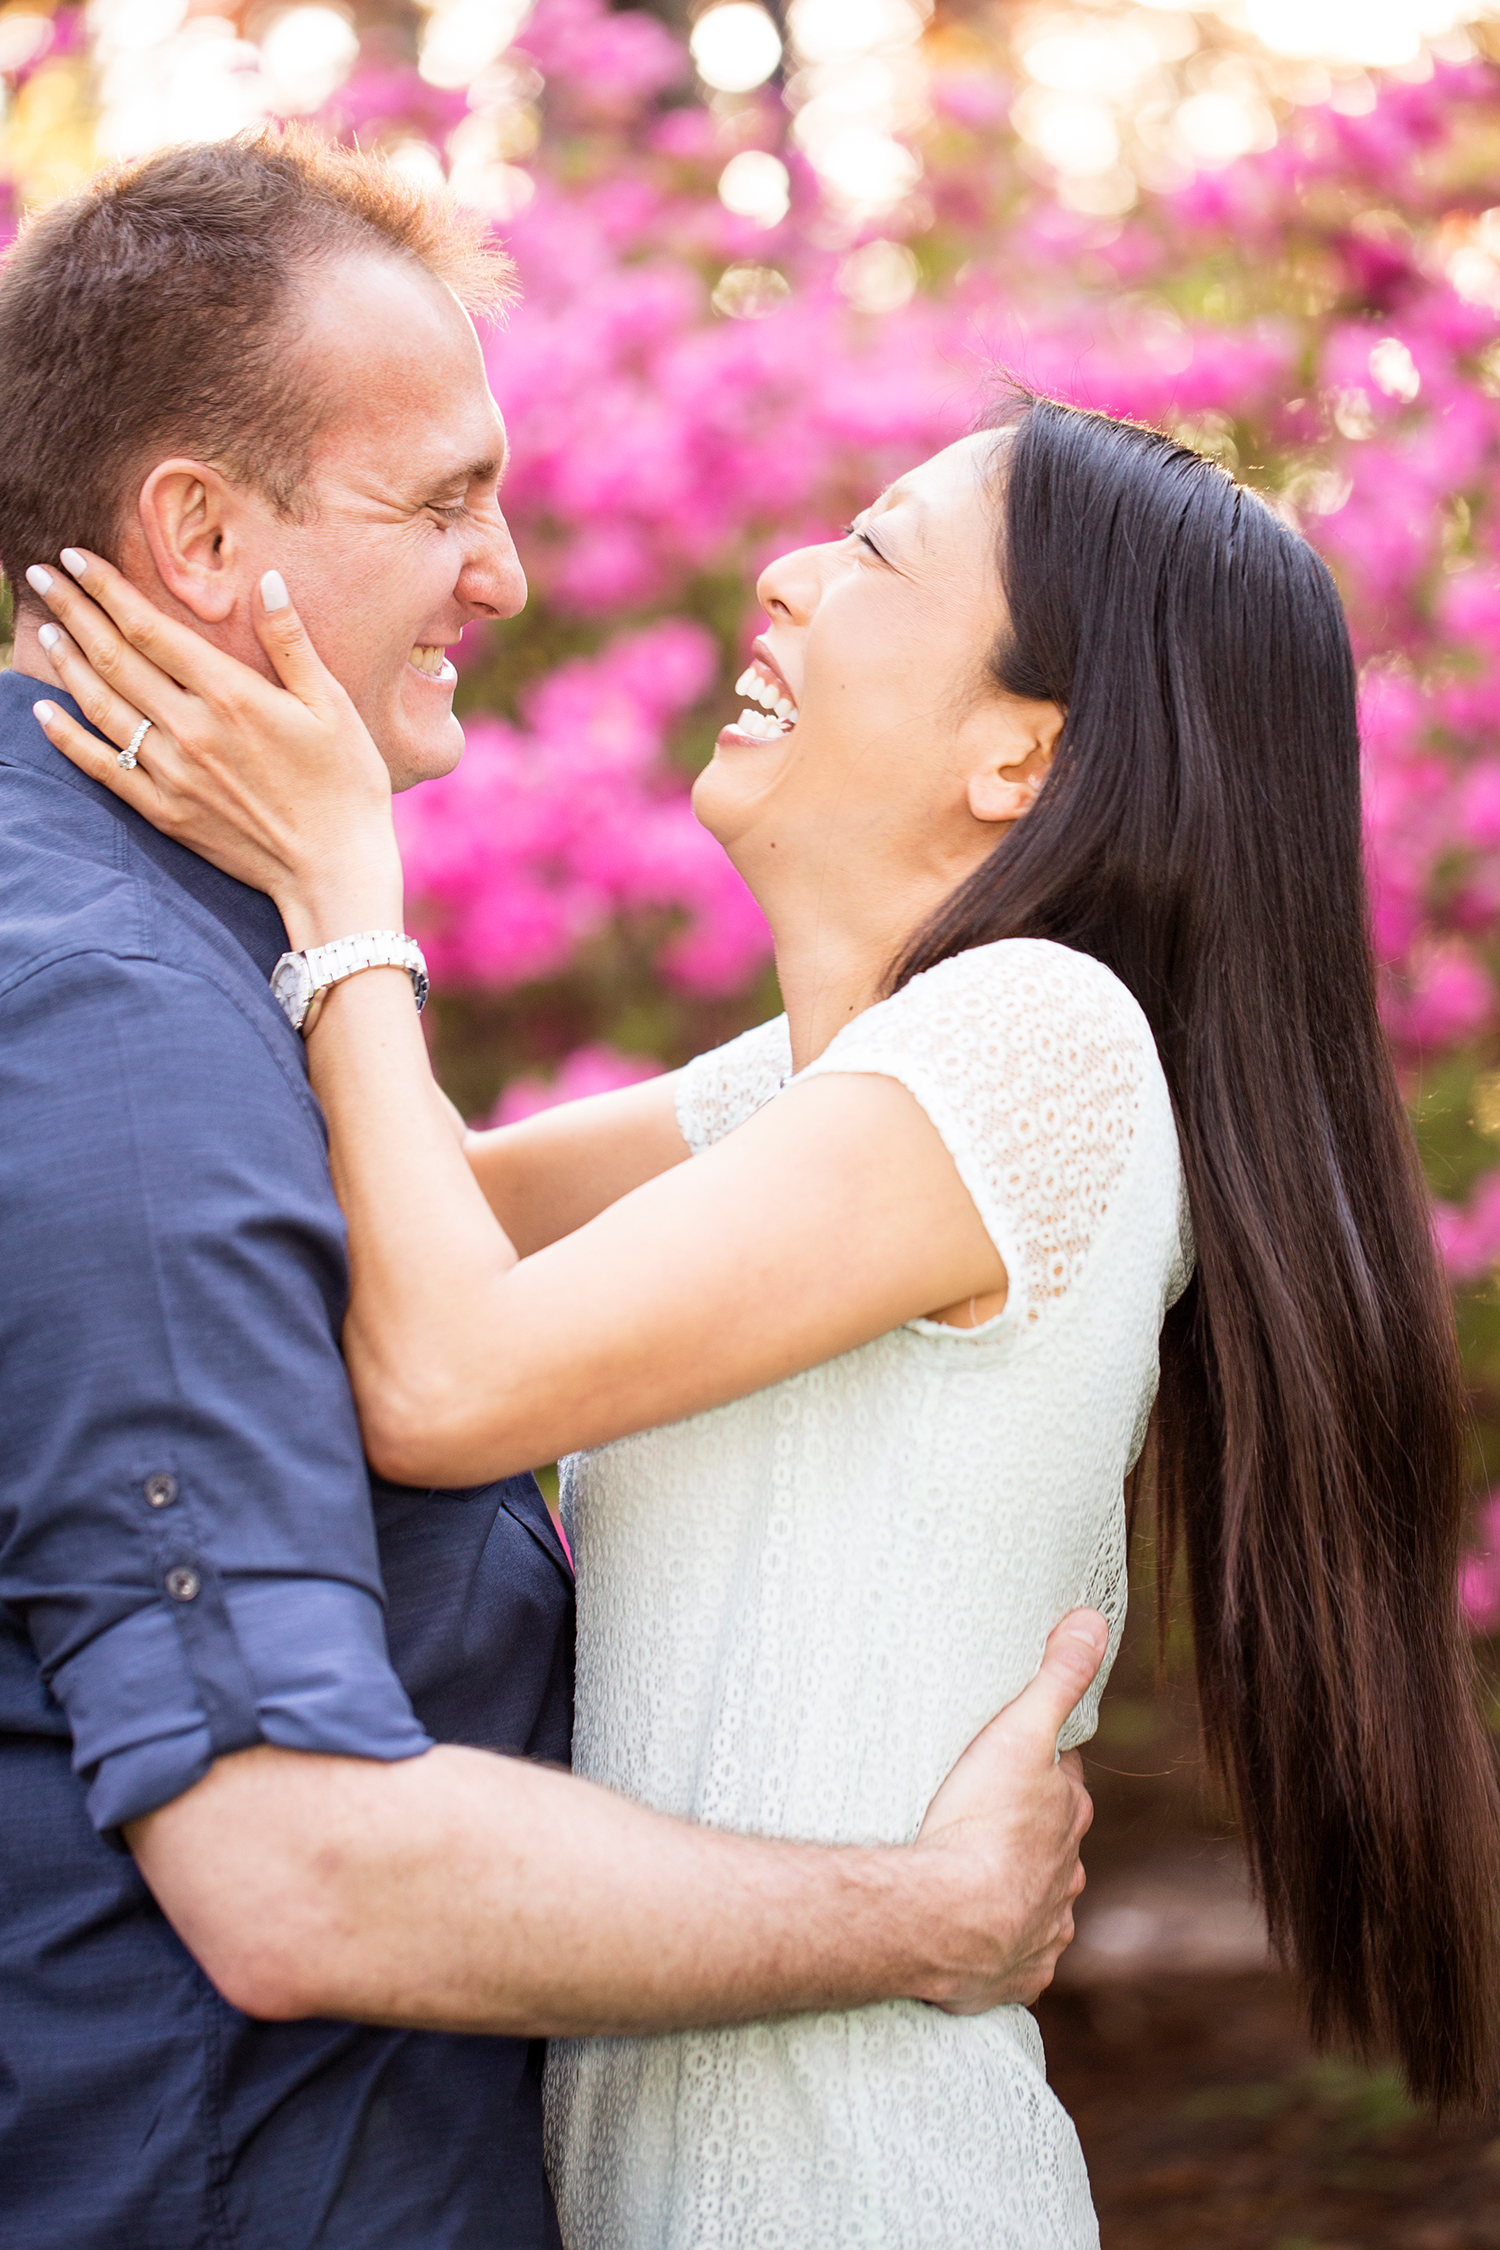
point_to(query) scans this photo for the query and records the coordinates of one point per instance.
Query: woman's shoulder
(720, 1089)
(1017, 997)
(1018, 966)
(1038, 1068)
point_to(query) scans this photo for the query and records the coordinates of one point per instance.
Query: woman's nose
(788, 589)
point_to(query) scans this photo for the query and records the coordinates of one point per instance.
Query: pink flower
(588, 1070)
(1450, 999)
(1479, 1572)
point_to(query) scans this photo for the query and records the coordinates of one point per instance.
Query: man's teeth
(432, 661)
(768, 693)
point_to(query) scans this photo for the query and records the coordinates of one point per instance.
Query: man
(283, 1920)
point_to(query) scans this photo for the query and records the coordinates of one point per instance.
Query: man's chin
(424, 753)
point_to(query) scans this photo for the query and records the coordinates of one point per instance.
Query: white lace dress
(794, 1612)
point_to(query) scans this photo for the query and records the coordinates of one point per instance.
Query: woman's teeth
(434, 662)
(771, 695)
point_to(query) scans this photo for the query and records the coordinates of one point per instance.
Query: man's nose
(492, 582)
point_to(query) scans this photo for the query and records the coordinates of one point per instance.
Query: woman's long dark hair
(1199, 833)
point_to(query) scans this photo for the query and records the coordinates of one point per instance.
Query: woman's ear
(189, 520)
(1009, 780)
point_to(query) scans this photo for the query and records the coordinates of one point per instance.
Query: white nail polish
(45, 712)
(39, 580)
(273, 593)
(71, 559)
(49, 636)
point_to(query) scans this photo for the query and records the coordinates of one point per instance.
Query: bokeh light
(756, 186)
(735, 47)
(464, 35)
(306, 53)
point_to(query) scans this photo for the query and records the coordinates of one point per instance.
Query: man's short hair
(155, 312)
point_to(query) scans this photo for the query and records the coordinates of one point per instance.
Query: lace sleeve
(719, 1090)
(1031, 1061)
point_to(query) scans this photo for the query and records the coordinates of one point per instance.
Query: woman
(1056, 825)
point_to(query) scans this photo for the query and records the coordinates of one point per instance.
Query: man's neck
(28, 656)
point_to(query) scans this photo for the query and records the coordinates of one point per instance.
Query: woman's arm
(830, 1217)
(553, 1172)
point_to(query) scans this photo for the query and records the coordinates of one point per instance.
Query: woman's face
(868, 702)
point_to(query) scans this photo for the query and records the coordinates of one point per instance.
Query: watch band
(302, 981)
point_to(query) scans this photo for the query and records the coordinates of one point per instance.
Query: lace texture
(720, 1090)
(797, 1609)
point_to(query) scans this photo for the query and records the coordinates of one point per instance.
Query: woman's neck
(834, 955)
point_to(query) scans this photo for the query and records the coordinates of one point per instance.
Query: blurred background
(771, 255)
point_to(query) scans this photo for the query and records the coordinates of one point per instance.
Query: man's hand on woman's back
(1011, 1803)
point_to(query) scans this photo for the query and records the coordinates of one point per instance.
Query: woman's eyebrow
(912, 506)
(899, 496)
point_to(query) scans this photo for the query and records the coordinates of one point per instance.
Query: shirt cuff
(301, 1663)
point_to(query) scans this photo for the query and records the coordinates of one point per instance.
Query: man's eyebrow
(487, 472)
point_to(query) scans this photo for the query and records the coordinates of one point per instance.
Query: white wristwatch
(301, 980)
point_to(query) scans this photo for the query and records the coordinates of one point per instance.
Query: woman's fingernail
(46, 712)
(39, 580)
(49, 636)
(72, 560)
(273, 593)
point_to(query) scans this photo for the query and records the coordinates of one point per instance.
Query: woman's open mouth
(777, 714)
(433, 664)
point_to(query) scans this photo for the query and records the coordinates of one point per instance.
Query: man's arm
(465, 1892)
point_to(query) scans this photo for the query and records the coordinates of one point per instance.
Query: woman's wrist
(344, 901)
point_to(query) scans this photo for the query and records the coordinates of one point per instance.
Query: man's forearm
(465, 1892)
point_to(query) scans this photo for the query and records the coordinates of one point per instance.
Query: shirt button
(161, 1491)
(183, 1584)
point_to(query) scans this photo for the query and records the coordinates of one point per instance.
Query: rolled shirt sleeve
(185, 1525)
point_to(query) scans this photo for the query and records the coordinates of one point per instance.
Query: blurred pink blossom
(1479, 1572)
(548, 830)
(1469, 1238)
(588, 1070)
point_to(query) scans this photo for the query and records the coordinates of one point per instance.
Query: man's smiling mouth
(433, 664)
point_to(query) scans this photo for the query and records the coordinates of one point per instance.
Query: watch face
(292, 983)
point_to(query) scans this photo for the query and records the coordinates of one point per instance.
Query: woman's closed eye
(857, 531)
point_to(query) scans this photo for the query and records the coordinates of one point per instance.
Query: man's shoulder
(107, 969)
(67, 882)
(78, 892)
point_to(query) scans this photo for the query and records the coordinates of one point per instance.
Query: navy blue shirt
(193, 1558)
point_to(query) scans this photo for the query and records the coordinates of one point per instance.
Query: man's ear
(191, 521)
(1008, 780)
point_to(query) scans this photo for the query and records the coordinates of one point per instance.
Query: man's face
(403, 543)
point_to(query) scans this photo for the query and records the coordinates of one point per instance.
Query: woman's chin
(730, 793)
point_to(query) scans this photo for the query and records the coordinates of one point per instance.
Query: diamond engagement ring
(129, 755)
